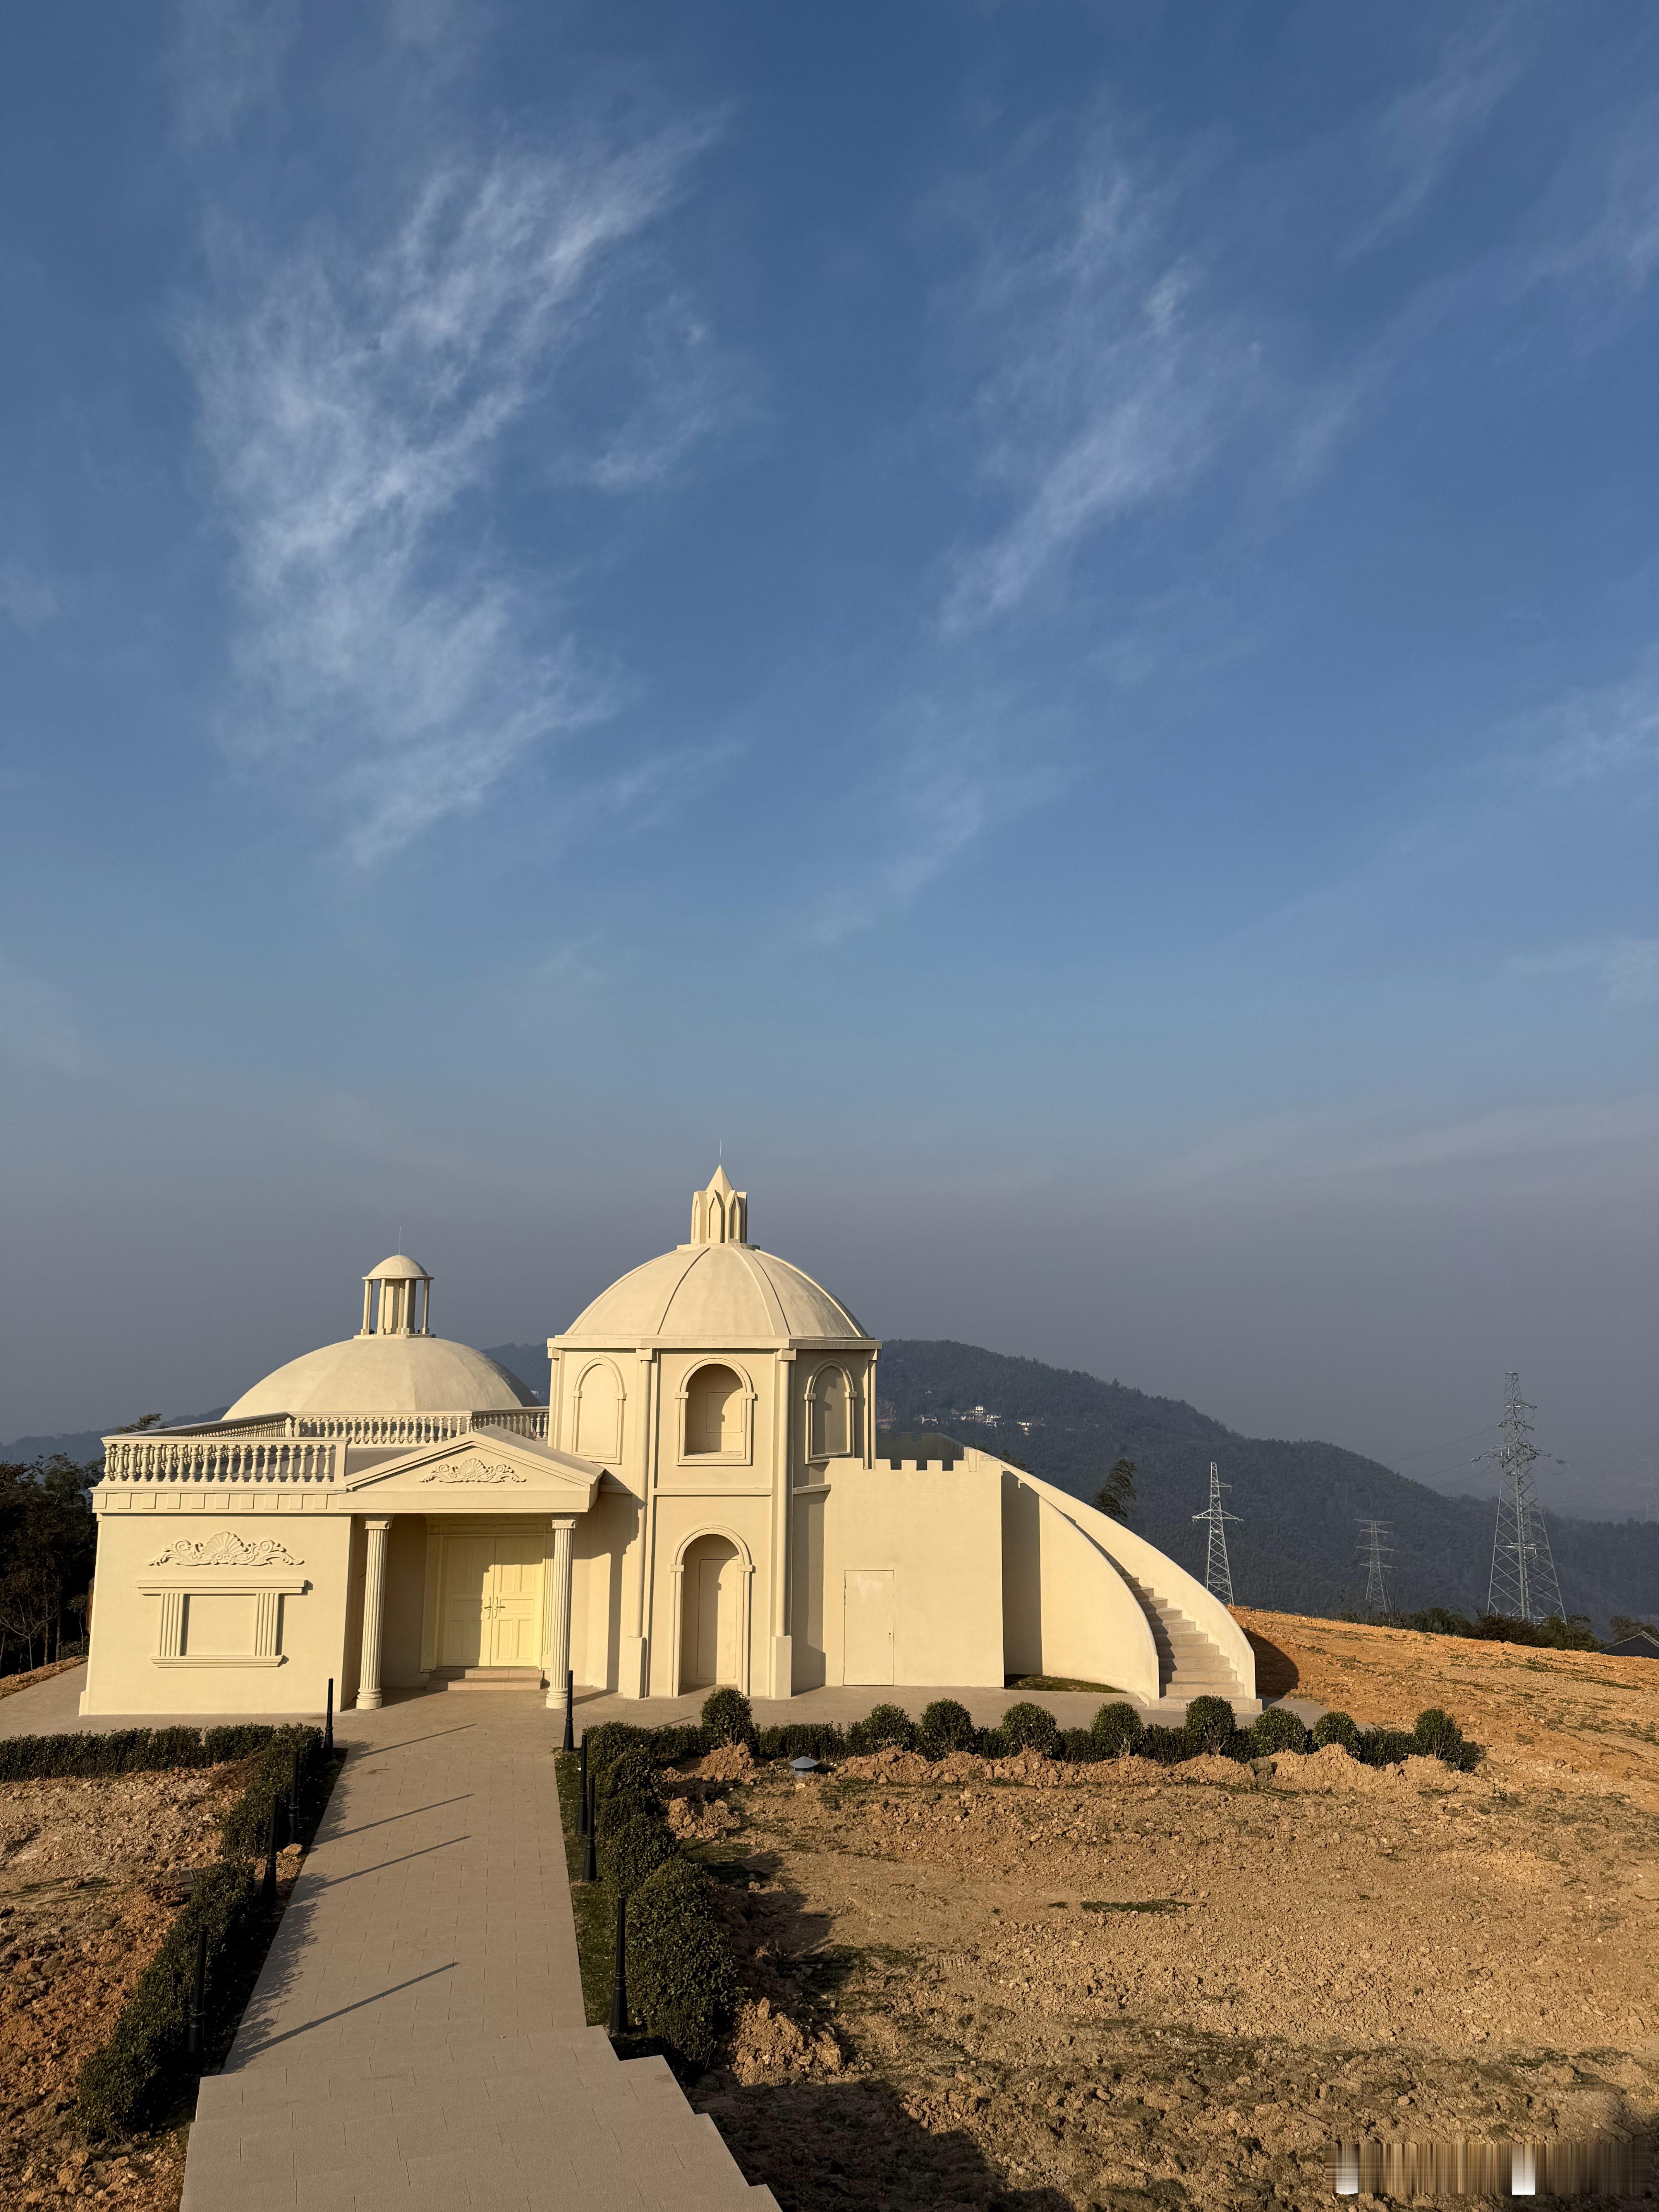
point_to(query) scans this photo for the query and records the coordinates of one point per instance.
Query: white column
(368, 1678)
(558, 1611)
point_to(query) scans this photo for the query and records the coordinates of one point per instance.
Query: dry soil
(1051, 1987)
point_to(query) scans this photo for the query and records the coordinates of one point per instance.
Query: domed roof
(400, 1268)
(716, 1289)
(712, 1294)
(392, 1374)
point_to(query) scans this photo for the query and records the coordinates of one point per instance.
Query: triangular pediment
(479, 1474)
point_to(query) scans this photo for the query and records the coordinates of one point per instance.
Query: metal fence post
(328, 1723)
(581, 1790)
(293, 1801)
(570, 1709)
(197, 1997)
(268, 1888)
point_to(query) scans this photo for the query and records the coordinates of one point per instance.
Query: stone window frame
(812, 1455)
(745, 1455)
(267, 1592)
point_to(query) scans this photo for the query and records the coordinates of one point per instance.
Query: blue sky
(1041, 619)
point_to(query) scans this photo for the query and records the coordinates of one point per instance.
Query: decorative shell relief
(491, 1470)
(226, 1550)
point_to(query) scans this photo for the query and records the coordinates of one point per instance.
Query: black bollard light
(570, 1709)
(197, 1997)
(581, 1790)
(328, 1723)
(619, 1987)
(268, 1888)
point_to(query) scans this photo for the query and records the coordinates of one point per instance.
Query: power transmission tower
(1523, 1583)
(1378, 1541)
(1217, 1575)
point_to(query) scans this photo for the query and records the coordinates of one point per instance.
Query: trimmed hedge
(1335, 1728)
(126, 1751)
(1278, 1730)
(881, 1726)
(126, 2085)
(946, 1726)
(634, 1849)
(1031, 1727)
(122, 2087)
(246, 1825)
(680, 1973)
(801, 1740)
(1115, 1728)
(1209, 1726)
(728, 1717)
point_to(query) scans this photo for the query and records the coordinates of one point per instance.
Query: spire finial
(719, 1215)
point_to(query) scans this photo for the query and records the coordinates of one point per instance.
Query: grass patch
(596, 1931)
(1057, 1682)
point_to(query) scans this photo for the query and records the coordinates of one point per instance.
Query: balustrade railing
(217, 1459)
(516, 1420)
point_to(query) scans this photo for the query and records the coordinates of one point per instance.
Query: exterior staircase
(1188, 1664)
(484, 1678)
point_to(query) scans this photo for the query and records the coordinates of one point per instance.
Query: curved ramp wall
(1066, 1608)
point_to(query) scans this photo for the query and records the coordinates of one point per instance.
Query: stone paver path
(416, 2040)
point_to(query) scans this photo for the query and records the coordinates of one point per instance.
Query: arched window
(598, 1413)
(711, 1618)
(831, 1423)
(714, 1413)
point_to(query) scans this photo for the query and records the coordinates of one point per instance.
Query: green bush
(991, 1743)
(1165, 1745)
(122, 2087)
(631, 1773)
(881, 1726)
(1209, 1725)
(680, 1974)
(1335, 1728)
(1278, 1730)
(727, 1717)
(622, 1805)
(1031, 1727)
(945, 1727)
(1438, 1736)
(1383, 1747)
(1116, 1728)
(1080, 1747)
(126, 1751)
(634, 1849)
(246, 1825)
(678, 1740)
(802, 1740)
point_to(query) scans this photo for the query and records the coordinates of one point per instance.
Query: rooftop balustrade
(296, 1447)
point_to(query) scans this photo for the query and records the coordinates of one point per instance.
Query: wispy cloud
(1604, 735)
(1114, 379)
(224, 58)
(354, 401)
(1615, 246)
(1419, 135)
(1626, 970)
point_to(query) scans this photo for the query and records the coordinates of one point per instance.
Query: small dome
(712, 1294)
(399, 1373)
(400, 1268)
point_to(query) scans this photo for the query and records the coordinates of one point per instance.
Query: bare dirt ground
(1050, 1987)
(85, 1900)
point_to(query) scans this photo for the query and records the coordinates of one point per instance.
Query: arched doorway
(711, 1616)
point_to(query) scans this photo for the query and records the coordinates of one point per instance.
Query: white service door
(867, 1654)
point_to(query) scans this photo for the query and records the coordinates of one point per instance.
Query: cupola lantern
(398, 1299)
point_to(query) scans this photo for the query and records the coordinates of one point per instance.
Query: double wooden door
(492, 1601)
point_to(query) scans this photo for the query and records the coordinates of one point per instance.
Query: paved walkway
(416, 2040)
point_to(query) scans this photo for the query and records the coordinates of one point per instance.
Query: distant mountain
(1294, 1547)
(82, 1444)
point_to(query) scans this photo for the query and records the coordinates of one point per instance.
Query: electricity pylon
(1217, 1575)
(1523, 1583)
(1378, 1540)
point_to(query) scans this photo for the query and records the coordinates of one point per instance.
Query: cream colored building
(703, 1500)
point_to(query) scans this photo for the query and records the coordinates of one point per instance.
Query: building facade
(703, 1500)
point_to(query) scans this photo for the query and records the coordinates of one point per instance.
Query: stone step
(484, 1678)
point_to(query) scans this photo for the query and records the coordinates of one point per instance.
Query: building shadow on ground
(821, 2146)
(1276, 1673)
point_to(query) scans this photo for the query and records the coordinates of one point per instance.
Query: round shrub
(1208, 1726)
(991, 1743)
(727, 1717)
(632, 1773)
(633, 1849)
(1438, 1736)
(945, 1727)
(1031, 1727)
(1116, 1728)
(624, 1805)
(680, 1974)
(1385, 1747)
(1336, 1728)
(1278, 1730)
(881, 1726)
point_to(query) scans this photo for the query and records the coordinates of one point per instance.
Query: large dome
(712, 1294)
(385, 1375)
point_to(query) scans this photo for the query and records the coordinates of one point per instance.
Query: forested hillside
(1294, 1547)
